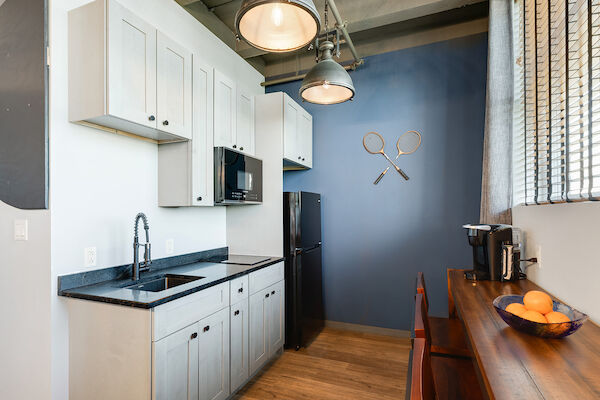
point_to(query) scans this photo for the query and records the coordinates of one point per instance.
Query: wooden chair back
(421, 287)
(422, 384)
(422, 329)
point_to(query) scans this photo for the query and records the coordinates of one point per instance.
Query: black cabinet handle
(241, 290)
(299, 157)
(235, 146)
(165, 122)
(267, 295)
(194, 335)
(303, 159)
(199, 198)
(237, 312)
(241, 148)
(151, 118)
(206, 328)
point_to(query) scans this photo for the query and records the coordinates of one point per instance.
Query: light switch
(170, 246)
(21, 230)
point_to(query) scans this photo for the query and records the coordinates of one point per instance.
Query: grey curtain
(496, 186)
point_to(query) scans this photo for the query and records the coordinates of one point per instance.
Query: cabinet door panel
(213, 360)
(176, 366)
(202, 133)
(245, 121)
(305, 138)
(276, 317)
(224, 110)
(174, 87)
(131, 66)
(239, 344)
(259, 322)
(290, 130)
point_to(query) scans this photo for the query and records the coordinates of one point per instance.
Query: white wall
(24, 306)
(99, 181)
(568, 237)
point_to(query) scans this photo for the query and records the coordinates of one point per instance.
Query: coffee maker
(496, 252)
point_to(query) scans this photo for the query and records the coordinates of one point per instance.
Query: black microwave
(238, 178)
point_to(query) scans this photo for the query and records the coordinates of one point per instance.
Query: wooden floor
(337, 365)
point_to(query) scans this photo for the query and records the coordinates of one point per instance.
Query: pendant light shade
(327, 82)
(277, 25)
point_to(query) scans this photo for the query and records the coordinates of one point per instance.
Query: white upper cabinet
(174, 87)
(185, 170)
(245, 120)
(127, 76)
(225, 118)
(305, 139)
(291, 113)
(234, 115)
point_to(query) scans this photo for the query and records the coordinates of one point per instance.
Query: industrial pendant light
(327, 82)
(278, 25)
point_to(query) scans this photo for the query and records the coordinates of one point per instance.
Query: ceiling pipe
(341, 25)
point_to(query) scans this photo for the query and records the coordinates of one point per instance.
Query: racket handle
(403, 174)
(381, 176)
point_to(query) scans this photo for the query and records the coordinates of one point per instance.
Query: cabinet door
(239, 344)
(131, 67)
(291, 112)
(224, 115)
(174, 87)
(258, 333)
(305, 138)
(202, 178)
(176, 365)
(245, 121)
(276, 317)
(213, 359)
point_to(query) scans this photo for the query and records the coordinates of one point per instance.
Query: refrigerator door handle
(298, 250)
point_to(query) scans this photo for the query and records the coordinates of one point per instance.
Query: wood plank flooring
(337, 365)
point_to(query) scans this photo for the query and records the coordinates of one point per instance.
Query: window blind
(556, 119)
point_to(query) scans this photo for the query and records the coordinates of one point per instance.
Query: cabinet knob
(241, 148)
(199, 198)
(151, 118)
(273, 292)
(194, 335)
(303, 159)
(237, 312)
(165, 122)
(267, 295)
(299, 157)
(241, 290)
(206, 328)
(235, 146)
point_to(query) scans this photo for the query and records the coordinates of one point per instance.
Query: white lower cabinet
(176, 365)
(267, 319)
(239, 366)
(213, 359)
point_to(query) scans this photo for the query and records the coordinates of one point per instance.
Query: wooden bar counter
(514, 365)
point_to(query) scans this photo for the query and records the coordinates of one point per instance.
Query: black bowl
(554, 330)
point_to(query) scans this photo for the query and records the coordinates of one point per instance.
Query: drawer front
(177, 314)
(266, 277)
(239, 289)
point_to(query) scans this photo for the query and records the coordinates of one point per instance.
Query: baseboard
(345, 326)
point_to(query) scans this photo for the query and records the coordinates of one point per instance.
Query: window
(556, 123)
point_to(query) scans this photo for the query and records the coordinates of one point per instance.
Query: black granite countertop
(115, 291)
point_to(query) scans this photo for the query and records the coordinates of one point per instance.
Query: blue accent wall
(376, 238)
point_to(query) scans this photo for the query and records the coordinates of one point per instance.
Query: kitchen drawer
(239, 289)
(266, 277)
(177, 314)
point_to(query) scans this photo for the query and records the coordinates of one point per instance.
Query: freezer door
(311, 282)
(309, 228)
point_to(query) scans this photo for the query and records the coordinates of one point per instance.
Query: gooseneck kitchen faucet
(136, 268)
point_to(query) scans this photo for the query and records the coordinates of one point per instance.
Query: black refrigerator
(304, 317)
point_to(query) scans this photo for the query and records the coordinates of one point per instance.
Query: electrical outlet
(539, 256)
(170, 246)
(89, 256)
(21, 230)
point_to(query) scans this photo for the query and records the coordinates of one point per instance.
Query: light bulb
(326, 85)
(277, 15)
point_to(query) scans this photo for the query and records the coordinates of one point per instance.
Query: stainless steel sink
(164, 282)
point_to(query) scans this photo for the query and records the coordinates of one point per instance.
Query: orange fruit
(516, 308)
(534, 316)
(535, 300)
(556, 317)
